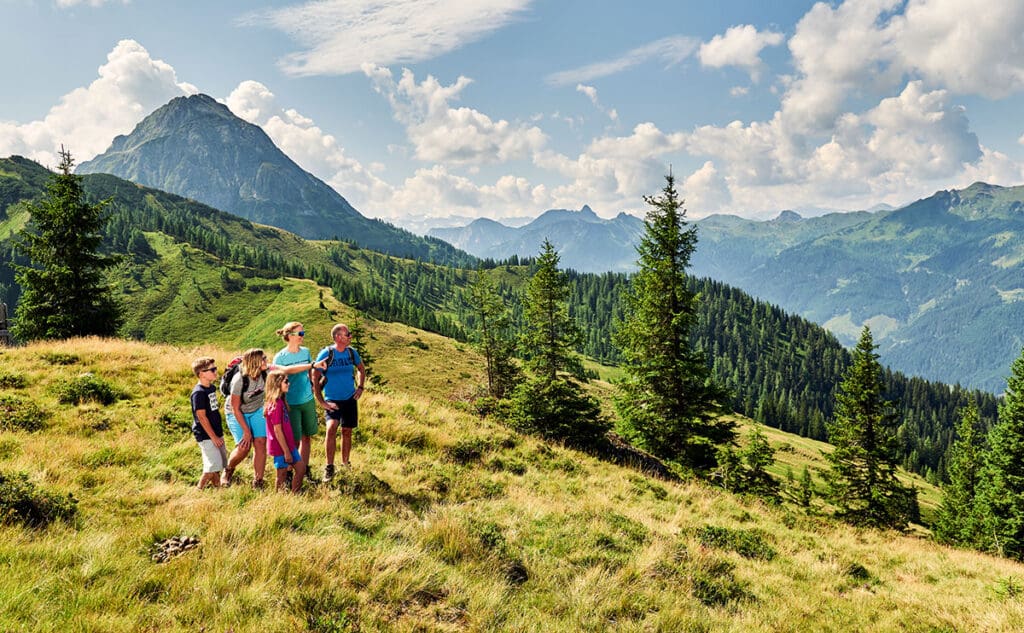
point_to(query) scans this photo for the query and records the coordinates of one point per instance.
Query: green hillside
(192, 274)
(447, 522)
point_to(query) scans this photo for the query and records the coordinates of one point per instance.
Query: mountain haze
(940, 281)
(584, 241)
(195, 147)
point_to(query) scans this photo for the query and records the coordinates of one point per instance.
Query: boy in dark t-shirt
(206, 423)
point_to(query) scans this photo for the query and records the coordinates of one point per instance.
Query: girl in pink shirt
(280, 440)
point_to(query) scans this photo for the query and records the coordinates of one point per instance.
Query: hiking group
(270, 408)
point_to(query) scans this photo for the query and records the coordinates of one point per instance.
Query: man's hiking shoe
(328, 472)
(226, 476)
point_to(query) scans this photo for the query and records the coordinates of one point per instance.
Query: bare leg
(300, 472)
(331, 441)
(259, 459)
(282, 475)
(304, 448)
(209, 479)
(237, 455)
(346, 445)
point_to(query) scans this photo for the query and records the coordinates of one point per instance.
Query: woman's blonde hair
(289, 328)
(252, 362)
(275, 382)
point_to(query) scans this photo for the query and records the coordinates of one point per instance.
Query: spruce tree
(1001, 494)
(493, 338)
(862, 481)
(551, 402)
(958, 520)
(63, 289)
(667, 401)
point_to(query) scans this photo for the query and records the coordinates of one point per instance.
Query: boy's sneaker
(328, 472)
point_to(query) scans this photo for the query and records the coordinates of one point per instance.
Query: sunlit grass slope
(446, 523)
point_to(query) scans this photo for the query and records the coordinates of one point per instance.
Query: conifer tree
(862, 481)
(958, 520)
(64, 292)
(667, 402)
(551, 402)
(758, 455)
(493, 339)
(1001, 497)
(550, 335)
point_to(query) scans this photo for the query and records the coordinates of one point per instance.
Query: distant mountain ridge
(940, 281)
(585, 242)
(197, 148)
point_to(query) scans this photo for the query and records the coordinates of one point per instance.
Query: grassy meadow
(446, 522)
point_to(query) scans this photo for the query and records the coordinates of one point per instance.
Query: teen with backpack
(247, 387)
(337, 390)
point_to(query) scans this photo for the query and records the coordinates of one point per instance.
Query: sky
(416, 109)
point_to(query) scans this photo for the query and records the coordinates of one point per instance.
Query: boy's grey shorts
(215, 458)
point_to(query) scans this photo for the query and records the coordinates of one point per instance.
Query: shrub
(12, 381)
(60, 358)
(21, 502)
(467, 450)
(85, 388)
(20, 414)
(746, 543)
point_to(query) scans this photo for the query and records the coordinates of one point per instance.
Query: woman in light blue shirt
(301, 404)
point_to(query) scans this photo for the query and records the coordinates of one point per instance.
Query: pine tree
(862, 480)
(551, 403)
(1001, 497)
(758, 456)
(64, 292)
(957, 521)
(667, 401)
(493, 340)
(550, 335)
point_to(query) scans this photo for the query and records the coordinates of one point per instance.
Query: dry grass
(446, 523)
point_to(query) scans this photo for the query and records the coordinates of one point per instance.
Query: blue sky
(498, 108)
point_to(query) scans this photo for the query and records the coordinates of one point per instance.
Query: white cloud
(309, 146)
(437, 192)
(669, 50)
(613, 171)
(591, 93)
(739, 46)
(65, 4)
(339, 36)
(866, 49)
(738, 91)
(980, 52)
(705, 190)
(130, 85)
(441, 133)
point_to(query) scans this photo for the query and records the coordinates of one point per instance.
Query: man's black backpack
(322, 381)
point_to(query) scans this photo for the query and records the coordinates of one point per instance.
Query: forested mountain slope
(192, 274)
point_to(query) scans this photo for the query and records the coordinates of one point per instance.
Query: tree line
(780, 369)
